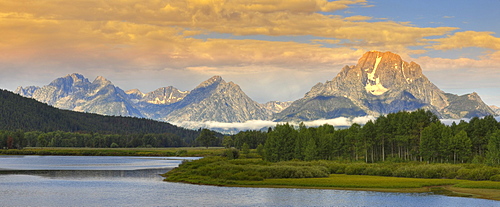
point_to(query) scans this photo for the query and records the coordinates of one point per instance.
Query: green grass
(479, 184)
(301, 174)
(357, 181)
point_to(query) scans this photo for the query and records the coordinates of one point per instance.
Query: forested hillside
(19, 114)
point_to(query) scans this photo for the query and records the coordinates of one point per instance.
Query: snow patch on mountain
(373, 84)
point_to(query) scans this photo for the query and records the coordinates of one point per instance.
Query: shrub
(483, 173)
(355, 169)
(495, 177)
(231, 153)
(180, 153)
(288, 171)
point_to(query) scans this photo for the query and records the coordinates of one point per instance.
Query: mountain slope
(276, 106)
(216, 100)
(165, 95)
(496, 109)
(380, 83)
(212, 100)
(18, 112)
(75, 92)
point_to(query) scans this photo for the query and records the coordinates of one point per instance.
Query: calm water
(134, 181)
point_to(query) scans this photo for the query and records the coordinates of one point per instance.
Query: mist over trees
(398, 137)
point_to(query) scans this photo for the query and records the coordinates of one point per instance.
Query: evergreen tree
(430, 140)
(310, 151)
(280, 144)
(245, 149)
(493, 153)
(446, 137)
(206, 138)
(460, 146)
(368, 134)
(227, 141)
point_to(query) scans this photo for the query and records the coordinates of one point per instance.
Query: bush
(333, 167)
(483, 173)
(288, 171)
(231, 153)
(355, 169)
(179, 153)
(495, 177)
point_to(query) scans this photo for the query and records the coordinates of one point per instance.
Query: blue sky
(274, 49)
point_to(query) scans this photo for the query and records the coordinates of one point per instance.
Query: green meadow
(338, 175)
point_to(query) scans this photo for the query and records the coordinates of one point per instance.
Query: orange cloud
(465, 39)
(239, 17)
(162, 34)
(486, 63)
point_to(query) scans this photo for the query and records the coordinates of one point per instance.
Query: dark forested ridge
(23, 114)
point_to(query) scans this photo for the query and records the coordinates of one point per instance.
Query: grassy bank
(335, 175)
(181, 152)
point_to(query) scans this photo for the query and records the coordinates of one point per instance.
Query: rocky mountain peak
(77, 77)
(101, 81)
(69, 80)
(27, 91)
(135, 94)
(474, 96)
(213, 80)
(166, 95)
(277, 106)
(135, 91)
(371, 60)
(380, 72)
(381, 83)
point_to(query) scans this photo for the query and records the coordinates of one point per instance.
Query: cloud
(118, 38)
(262, 124)
(237, 17)
(357, 18)
(125, 44)
(466, 39)
(485, 63)
(327, 41)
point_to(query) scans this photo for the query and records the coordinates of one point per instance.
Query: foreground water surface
(135, 181)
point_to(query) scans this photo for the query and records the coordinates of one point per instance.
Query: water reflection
(146, 174)
(87, 162)
(135, 181)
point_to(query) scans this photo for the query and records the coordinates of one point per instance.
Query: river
(135, 181)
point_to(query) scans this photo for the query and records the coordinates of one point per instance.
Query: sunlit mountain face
(380, 83)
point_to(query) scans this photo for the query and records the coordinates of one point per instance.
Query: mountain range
(380, 83)
(20, 113)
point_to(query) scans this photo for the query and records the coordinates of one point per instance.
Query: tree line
(28, 115)
(19, 139)
(402, 136)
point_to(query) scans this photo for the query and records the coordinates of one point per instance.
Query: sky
(273, 49)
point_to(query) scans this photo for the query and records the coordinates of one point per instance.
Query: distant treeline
(22, 119)
(19, 139)
(402, 136)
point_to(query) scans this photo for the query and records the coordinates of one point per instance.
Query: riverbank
(154, 152)
(297, 174)
(352, 182)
